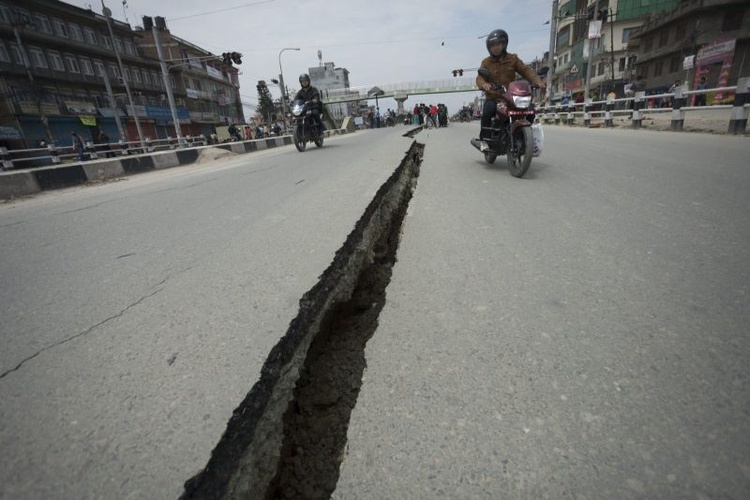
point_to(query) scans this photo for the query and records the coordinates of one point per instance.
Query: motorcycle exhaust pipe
(480, 145)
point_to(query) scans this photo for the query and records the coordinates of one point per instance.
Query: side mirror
(484, 73)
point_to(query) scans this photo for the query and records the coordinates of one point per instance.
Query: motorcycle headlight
(522, 102)
(298, 109)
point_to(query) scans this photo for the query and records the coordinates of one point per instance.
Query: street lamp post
(281, 83)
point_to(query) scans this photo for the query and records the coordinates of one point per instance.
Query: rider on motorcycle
(310, 94)
(503, 66)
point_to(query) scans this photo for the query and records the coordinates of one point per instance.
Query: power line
(220, 10)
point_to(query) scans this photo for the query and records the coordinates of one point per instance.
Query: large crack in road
(287, 437)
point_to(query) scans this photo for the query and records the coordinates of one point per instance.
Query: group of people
(435, 115)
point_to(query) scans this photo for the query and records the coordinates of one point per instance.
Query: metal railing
(636, 109)
(15, 159)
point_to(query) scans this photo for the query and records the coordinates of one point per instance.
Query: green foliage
(265, 102)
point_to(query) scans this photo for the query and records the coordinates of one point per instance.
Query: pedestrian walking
(78, 146)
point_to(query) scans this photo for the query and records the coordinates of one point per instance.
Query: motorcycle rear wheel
(299, 139)
(519, 156)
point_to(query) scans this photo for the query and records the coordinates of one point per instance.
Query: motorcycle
(306, 128)
(511, 132)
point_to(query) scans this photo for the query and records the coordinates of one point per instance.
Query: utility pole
(155, 26)
(115, 110)
(108, 14)
(551, 54)
(591, 55)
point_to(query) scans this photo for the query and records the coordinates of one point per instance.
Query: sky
(378, 41)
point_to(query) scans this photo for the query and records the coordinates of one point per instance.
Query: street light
(281, 82)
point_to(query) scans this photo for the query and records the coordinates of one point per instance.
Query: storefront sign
(80, 107)
(9, 133)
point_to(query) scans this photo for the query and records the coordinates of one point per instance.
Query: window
(680, 31)
(99, 68)
(90, 36)
(72, 63)
(86, 66)
(4, 54)
(75, 32)
(60, 28)
(42, 23)
(126, 73)
(601, 68)
(6, 17)
(658, 67)
(663, 38)
(37, 58)
(732, 20)
(648, 44)
(16, 53)
(130, 48)
(674, 64)
(145, 77)
(114, 72)
(23, 17)
(627, 33)
(621, 65)
(106, 41)
(172, 82)
(156, 80)
(55, 60)
(119, 46)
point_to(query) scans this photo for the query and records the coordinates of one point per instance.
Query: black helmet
(497, 36)
(304, 77)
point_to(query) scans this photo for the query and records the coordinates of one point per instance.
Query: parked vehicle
(306, 128)
(511, 133)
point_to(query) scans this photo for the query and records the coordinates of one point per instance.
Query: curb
(25, 182)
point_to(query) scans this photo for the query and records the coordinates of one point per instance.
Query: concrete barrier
(30, 181)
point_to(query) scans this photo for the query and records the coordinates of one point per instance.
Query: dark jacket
(503, 70)
(308, 94)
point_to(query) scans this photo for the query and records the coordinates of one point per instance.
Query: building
(612, 59)
(60, 72)
(332, 81)
(709, 38)
(661, 40)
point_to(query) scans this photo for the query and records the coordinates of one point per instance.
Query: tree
(265, 102)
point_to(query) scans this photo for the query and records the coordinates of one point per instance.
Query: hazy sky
(378, 41)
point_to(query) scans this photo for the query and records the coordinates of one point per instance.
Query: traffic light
(236, 57)
(226, 57)
(261, 86)
(460, 72)
(455, 72)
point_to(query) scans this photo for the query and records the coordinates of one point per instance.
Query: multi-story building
(331, 81)
(661, 40)
(699, 38)
(60, 72)
(612, 61)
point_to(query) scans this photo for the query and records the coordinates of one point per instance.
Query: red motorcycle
(511, 127)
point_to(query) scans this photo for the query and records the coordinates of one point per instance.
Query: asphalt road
(579, 332)
(140, 311)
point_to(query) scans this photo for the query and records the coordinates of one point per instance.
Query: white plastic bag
(538, 133)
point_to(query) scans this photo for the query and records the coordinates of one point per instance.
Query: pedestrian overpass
(399, 91)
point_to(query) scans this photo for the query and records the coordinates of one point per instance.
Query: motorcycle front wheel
(299, 139)
(318, 139)
(519, 156)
